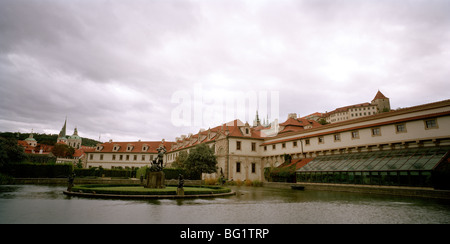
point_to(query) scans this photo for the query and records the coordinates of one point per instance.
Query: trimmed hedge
(28, 170)
(41, 170)
(286, 174)
(171, 173)
(41, 159)
(99, 172)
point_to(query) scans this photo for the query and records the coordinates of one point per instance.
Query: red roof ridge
(379, 95)
(137, 146)
(292, 121)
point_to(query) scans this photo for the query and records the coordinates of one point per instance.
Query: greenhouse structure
(404, 167)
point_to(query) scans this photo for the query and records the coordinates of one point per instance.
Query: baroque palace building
(379, 104)
(132, 155)
(243, 151)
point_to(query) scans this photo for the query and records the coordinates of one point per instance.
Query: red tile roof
(292, 121)
(136, 147)
(80, 152)
(297, 162)
(313, 114)
(46, 149)
(299, 124)
(346, 108)
(379, 95)
(231, 129)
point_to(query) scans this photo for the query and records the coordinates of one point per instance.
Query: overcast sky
(116, 68)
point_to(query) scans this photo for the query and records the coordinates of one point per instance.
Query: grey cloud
(112, 66)
(99, 40)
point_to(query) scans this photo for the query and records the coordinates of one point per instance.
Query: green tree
(179, 161)
(63, 151)
(287, 158)
(322, 121)
(201, 159)
(10, 151)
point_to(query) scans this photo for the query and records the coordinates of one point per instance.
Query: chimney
(292, 115)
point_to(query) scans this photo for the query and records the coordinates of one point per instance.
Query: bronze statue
(70, 181)
(155, 175)
(158, 163)
(180, 181)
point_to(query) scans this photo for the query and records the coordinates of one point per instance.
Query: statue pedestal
(180, 191)
(155, 180)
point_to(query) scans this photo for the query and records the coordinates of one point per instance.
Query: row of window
(239, 146)
(129, 148)
(121, 157)
(238, 167)
(361, 114)
(355, 110)
(376, 131)
(362, 109)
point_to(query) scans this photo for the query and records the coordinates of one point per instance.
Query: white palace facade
(243, 151)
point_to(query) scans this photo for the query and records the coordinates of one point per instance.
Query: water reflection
(47, 204)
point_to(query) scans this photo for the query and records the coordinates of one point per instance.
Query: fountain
(154, 186)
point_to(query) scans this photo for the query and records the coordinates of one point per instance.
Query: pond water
(251, 205)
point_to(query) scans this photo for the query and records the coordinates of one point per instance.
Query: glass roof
(389, 160)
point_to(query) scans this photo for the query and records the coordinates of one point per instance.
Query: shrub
(28, 170)
(285, 174)
(170, 173)
(239, 182)
(5, 179)
(99, 172)
(257, 183)
(212, 181)
(248, 183)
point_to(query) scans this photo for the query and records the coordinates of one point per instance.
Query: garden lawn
(140, 190)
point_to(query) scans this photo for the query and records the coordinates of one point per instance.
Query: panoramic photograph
(230, 112)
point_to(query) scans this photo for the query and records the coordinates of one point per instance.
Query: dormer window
(246, 130)
(144, 148)
(99, 148)
(116, 148)
(129, 147)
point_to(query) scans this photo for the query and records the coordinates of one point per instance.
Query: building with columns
(243, 151)
(418, 126)
(131, 155)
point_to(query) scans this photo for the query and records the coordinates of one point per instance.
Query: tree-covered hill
(48, 139)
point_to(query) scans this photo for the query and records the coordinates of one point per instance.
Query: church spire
(62, 133)
(256, 121)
